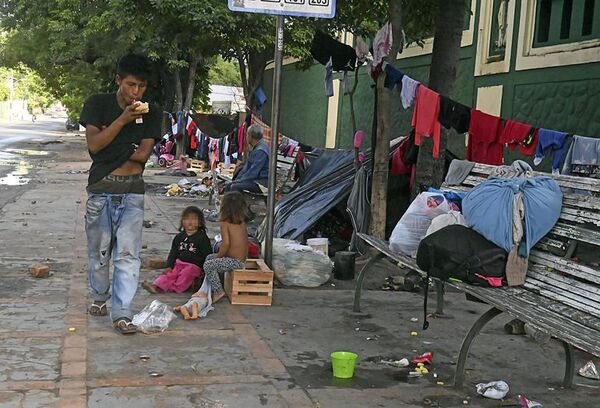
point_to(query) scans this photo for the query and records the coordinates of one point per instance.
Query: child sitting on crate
(231, 255)
(188, 252)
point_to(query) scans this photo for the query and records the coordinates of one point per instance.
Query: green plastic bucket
(343, 363)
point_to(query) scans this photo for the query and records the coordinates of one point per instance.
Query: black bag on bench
(459, 252)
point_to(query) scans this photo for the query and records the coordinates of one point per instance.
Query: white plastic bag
(413, 225)
(295, 264)
(494, 390)
(441, 221)
(154, 318)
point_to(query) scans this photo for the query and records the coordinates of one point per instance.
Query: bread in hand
(141, 107)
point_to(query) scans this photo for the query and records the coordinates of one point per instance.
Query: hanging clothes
(325, 47)
(583, 157)
(382, 44)
(425, 118)
(329, 78)
(551, 142)
(260, 97)
(362, 50)
(515, 133)
(484, 134)
(454, 115)
(409, 91)
(174, 127)
(399, 166)
(241, 138)
(393, 77)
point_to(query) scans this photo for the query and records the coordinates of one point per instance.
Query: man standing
(256, 169)
(120, 131)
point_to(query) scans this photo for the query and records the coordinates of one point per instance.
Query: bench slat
(565, 297)
(384, 247)
(564, 265)
(590, 290)
(536, 310)
(577, 233)
(580, 183)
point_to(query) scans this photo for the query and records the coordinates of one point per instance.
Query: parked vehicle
(72, 124)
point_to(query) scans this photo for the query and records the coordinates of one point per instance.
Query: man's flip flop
(124, 326)
(98, 309)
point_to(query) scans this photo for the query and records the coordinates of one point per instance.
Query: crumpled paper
(589, 370)
(494, 390)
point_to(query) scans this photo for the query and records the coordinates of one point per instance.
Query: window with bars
(566, 21)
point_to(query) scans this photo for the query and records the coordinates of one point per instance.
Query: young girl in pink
(188, 252)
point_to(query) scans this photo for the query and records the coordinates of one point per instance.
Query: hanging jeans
(113, 224)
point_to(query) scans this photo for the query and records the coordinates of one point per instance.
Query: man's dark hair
(136, 65)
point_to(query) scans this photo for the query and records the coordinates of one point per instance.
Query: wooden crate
(227, 172)
(250, 286)
(199, 165)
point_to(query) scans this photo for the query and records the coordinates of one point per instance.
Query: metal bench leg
(440, 288)
(464, 349)
(570, 365)
(361, 277)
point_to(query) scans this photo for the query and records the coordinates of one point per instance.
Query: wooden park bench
(561, 296)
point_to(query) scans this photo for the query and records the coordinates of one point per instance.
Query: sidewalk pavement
(54, 355)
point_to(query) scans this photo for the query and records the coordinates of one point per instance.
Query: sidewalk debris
(589, 370)
(423, 358)
(39, 271)
(526, 403)
(154, 318)
(396, 363)
(148, 224)
(155, 374)
(414, 334)
(493, 390)
(144, 357)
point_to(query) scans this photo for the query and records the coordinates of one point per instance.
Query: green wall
(564, 98)
(303, 112)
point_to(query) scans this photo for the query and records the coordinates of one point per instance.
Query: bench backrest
(563, 279)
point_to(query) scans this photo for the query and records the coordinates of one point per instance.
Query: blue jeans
(113, 224)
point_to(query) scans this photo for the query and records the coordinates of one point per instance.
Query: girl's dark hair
(193, 210)
(136, 65)
(233, 208)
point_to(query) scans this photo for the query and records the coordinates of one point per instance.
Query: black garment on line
(454, 115)
(324, 47)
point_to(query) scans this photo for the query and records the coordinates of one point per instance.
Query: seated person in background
(256, 168)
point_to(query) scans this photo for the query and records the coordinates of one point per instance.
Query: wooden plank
(252, 287)
(251, 300)
(578, 233)
(246, 275)
(564, 265)
(383, 247)
(262, 265)
(532, 311)
(567, 282)
(568, 298)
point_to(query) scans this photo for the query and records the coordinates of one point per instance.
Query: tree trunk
(178, 91)
(243, 74)
(442, 77)
(382, 146)
(257, 62)
(191, 83)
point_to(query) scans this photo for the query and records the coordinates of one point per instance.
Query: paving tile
(28, 399)
(29, 359)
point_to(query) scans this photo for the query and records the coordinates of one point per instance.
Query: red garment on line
(425, 117)
(399, 166)
(514, 134)
(484, 144)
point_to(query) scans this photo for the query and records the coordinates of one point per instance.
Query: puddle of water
(27, 152)
(17, 176)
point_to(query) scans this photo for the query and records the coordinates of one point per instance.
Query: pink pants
(180, 278)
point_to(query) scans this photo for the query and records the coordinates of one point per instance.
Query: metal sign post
(274, 142)
(300, 8)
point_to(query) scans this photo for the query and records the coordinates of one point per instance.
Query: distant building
(225, 100)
